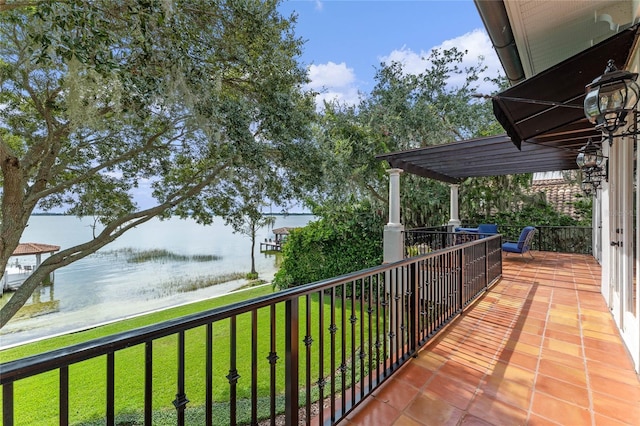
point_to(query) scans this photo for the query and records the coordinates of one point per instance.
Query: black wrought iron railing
(330, 343)
(424, 240)
(563, 239)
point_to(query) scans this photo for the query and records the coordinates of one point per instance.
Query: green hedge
(337, 244)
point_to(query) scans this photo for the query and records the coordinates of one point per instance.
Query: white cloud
(334, 82)
(412, 62)
(331, 75)
(477, 45)
(338, 81)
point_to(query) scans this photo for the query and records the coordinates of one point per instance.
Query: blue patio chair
(523, 245)
(487, 229)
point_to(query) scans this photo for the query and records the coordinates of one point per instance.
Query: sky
(347, 40)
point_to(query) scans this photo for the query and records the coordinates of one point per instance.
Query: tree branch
(5, 7)
(111, 232)
(147, 146)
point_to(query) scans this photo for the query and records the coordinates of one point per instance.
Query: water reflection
(42, 302)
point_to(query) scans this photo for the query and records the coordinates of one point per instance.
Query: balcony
(540, 347)
(272, 358)
(496, 341)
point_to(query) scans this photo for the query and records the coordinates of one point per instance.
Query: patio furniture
(472, 230)
(523, 245)
(487, 229)
(483, 230)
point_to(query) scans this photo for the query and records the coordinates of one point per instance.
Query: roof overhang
(491, 156)
(548, 107)
(531, 36)
(543, 117)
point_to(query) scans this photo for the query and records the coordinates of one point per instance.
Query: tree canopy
(182, 100)
(407, 111)
(403, 111)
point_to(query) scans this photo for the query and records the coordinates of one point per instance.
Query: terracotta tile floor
(540, 348)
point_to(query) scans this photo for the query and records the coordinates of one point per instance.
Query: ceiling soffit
(548, 32)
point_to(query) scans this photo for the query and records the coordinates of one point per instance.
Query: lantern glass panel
(590, 160)
(599, 158)
(613, 97)
(633, 92)
(591, 107)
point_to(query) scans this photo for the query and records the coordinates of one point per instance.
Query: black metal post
(462, 278)
(111, 388)
(148, 383)
(208, 399)
(64, 395)
(308, 341)
(414, 309)
(7, 404)
(181, 398)
(291, 361)
(233, 375)
(254, 367)
(486, 264)
(273, 359)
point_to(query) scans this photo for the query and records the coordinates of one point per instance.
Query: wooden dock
(275, 244)
(270, 246)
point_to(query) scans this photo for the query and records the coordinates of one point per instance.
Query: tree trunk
(253, 246)
(15, 212)
(22, 294)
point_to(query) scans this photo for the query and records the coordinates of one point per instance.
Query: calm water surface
(104, 286)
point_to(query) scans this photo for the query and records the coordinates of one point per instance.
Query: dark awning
(490, 156)
(564, 84)
(545, 112)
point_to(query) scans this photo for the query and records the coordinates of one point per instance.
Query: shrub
(338, 243)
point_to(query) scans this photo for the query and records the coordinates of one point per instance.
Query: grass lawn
(36, 398)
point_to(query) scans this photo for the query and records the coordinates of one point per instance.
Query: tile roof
(560, 193)
(24, 249)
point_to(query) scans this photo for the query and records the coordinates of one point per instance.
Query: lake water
(104, 286)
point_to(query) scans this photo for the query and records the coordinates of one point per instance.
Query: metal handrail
(564, 239)
(395, 309)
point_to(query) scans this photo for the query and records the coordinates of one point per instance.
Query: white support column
(393, 243)
(454, 220)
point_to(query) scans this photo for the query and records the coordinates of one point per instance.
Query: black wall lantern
(590, 157)
(593, 166)
(610, 99)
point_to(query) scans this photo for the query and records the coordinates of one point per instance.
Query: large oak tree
(100, 100)
(405, 111)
